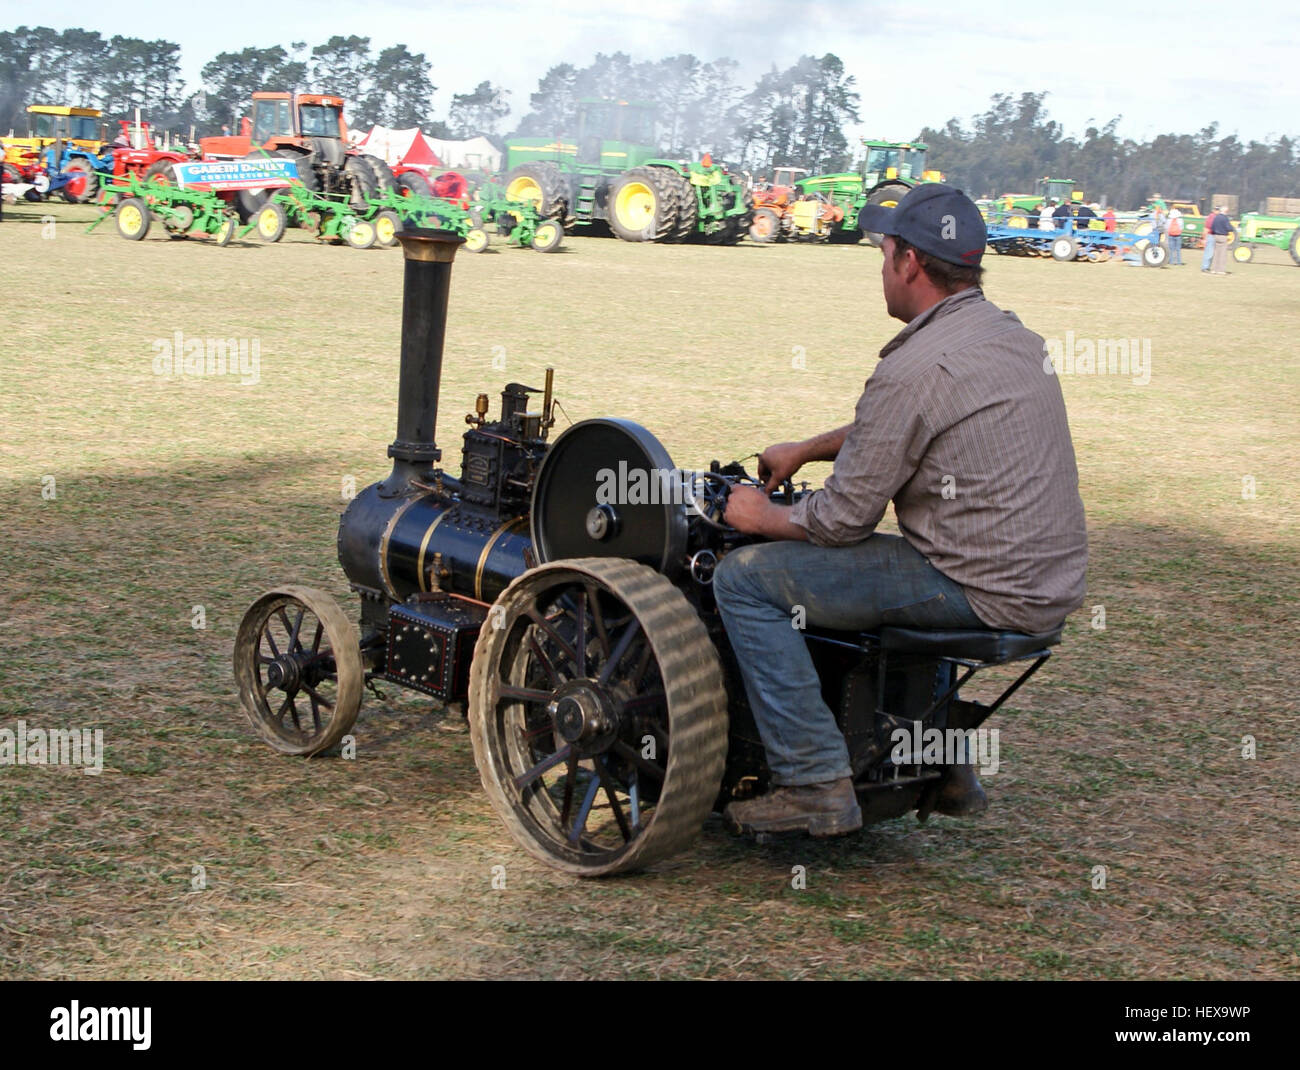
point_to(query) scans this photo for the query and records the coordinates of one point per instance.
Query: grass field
(170, 493)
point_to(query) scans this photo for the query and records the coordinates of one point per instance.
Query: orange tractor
(309, 129)
(784, 210)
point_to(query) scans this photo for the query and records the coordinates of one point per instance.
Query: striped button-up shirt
(963, 426)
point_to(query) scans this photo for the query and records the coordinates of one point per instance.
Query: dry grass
(1125, 752)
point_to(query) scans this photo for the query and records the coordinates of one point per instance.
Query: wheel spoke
(524, 779)
(315, 643)
(648, 767)
(549, 629)
(580, 639)
(524, 694)
(580, 821)
(294, 644)
(621, 648)
(644, 702)
(284, 708)
(317, 697)
(266, 633)
(293, 709)
(547, 666)
(598, 621)
(608, 785)
(570, 776)
(315, 708)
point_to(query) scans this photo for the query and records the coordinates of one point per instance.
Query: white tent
(476, 154)
(400, 146)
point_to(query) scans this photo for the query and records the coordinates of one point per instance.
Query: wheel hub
(585, 715)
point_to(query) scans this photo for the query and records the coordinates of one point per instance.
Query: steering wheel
(709, 492)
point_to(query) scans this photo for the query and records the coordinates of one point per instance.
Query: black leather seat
(971, 644)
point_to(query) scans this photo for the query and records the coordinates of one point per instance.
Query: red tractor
(309, 129)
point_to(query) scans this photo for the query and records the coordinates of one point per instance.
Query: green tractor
(1020, 209)
(609, 174)
(888, 170)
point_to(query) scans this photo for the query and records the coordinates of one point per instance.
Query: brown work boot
(826, 809)
(962, 794)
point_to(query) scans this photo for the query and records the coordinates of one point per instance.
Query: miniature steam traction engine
(606, 711)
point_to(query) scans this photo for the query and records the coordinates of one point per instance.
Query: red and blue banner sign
(235, 174)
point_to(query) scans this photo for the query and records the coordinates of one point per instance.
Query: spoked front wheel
(299, 671)
(598, 715)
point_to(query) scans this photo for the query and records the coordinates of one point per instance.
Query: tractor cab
(75, 128)
(309, 121)
(614, 134)
(1060, 190)
(887, 160)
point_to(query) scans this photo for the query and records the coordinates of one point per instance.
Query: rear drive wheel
(643, 205)
(598, 715)
(413, 184)
(159, 172)
(542, 185)
(132, 218)
(83, 181)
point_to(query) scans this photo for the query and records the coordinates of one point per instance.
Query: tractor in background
(784, 211)
(888, 170)
(1021, 209)
(309, 129)
(609, 173)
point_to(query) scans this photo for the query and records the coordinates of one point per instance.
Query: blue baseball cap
(935, 218)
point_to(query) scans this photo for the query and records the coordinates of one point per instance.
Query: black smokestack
(429, 255)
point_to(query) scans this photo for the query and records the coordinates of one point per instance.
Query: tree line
(793, 117)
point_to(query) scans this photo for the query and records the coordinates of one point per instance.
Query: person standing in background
(1209, 240)
(1222, 229)
(1174, 237)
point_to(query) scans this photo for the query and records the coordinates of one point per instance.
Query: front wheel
(766, 226)
(1065, 248)
(476, 240)
(359, 234)
(226, 231)
(1154, 255)
(388, 225)
(598, 715)
(1243, 253)
(548, 236)
(299, 670)
(132, 218)
(271, 222)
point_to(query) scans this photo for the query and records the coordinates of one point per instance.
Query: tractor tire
(385, 180)
(548, 236)
(388, 224)
(1295, 245)
(544, 186)
(840, 236)
(413, 184)
(80, 189)
(160, 171)
(477, 240)
(1154, 255)
(133, 218)
(12, 175)
(688, 208)
(361, 182)
(360, 234)
(888, 195)
(1065, 249)
(271, 222)
(1018, 217)
(643, 205)
(248, 202)
(766, 226)
(1243, 253)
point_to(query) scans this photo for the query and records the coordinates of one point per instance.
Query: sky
(1170, 68)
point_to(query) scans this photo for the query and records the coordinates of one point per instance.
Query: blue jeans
(1175, 246)
(768, 591)
(1209, 252)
